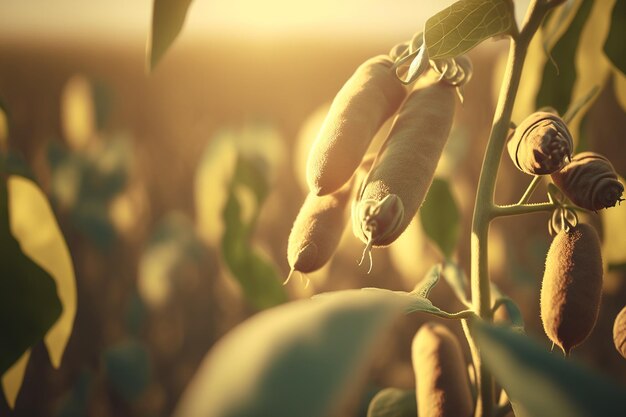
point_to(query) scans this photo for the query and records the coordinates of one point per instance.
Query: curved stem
(484, 208)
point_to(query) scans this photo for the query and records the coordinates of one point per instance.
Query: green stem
(484, 208)
(517, 209)
(529, 191)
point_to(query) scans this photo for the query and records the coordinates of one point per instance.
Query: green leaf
(428, 282)
(440, 217)
(455, 277)
(614, 45)
(299, 359)
(545, 384)
(256, 274)
(127, 367)
(393, 402)
(34, 226)
(29, 304)
(409, 302)
(557, 84)
(460, 27)
(168, 17)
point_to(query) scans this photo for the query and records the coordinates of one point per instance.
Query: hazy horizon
(120, 19)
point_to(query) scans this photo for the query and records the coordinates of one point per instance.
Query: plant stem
(529, 191)
(484, 208)
(517, 209)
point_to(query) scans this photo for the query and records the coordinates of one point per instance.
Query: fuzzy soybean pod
(404, 168)
(571, 287)
(317, 230)
(541, 144)
(619, 332)
(590, 181)
(363, 104)
(442, 383)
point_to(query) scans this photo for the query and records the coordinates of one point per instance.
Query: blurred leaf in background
(393, 402)
(127, 368)
(172, 252)
(34, 226)
(440, 217)
(235, 176)
(28, 299)
(258, 276)
(75, 401)
(614, 46)
(84, 183)
(558, 75)
(168, 17)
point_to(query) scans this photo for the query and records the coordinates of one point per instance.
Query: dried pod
(440, 374)
(404, 168)
(317, 230)
(590, 181)
(541, 144)
(368, 98)
(572, 284)
(619, 332)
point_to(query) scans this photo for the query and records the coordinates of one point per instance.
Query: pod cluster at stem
(384, 191)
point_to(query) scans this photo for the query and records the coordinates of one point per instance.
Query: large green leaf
(168, 17)
(614, 46)
(440, 217)
(557, 83)
(257, 275)
(546, 384)
(29, 304)
(393, 402)
(299, 359)
(410, 302)
(460, 27)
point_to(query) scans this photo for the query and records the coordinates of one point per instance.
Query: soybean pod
(572, 286)
(404, 168)
(317, 229)
(442, 383)
(363, 104)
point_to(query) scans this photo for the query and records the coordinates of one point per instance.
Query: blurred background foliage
(175, 192)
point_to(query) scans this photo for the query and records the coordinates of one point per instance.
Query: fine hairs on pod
(318, 227)
(571, 286)
(402, 173)
(442, 382)
(371, 95)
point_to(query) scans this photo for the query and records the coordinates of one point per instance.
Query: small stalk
(529, 191)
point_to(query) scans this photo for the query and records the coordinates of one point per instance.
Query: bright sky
(124, 18)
